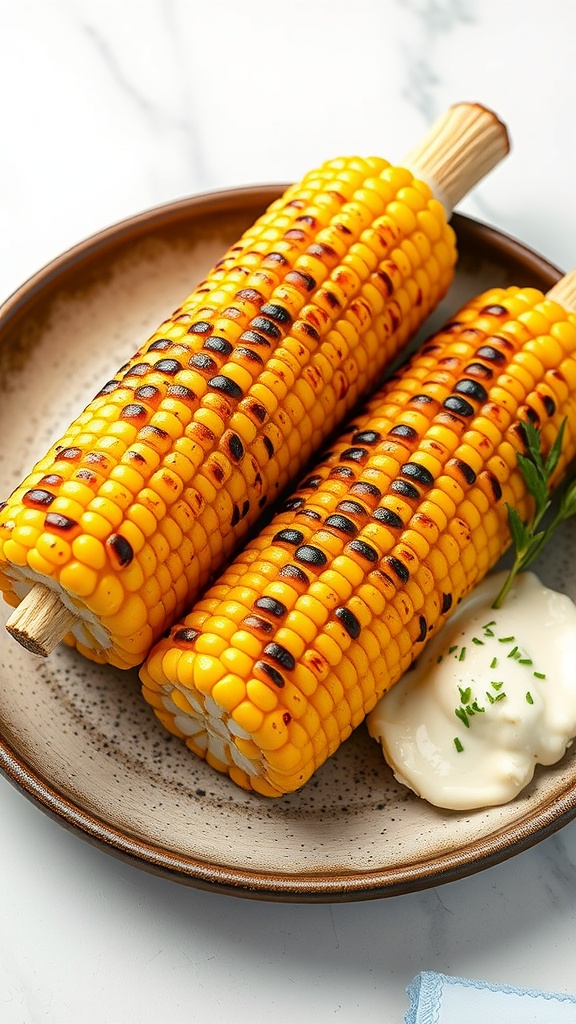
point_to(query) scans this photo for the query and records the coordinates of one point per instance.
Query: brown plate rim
(303, 888)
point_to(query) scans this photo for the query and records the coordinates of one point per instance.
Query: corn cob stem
(199, 428)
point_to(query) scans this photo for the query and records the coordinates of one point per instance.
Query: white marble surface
(111, 107)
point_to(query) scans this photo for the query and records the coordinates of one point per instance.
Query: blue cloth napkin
(439, 999)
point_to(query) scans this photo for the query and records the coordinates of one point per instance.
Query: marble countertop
(108, 109)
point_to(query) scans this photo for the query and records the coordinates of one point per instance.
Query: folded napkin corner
(441, 999)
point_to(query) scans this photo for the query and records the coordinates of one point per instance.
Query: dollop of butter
(491, 696)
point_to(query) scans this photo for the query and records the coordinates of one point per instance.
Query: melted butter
(492, 695)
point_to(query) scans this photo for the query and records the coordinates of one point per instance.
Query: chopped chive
(452, 649)
(497, 686)
(488, 624)
(494, 663)
(475, 708)
(478, 642)
(525, 661)
(490, 697)
(539, 675)
(506, 639)
(462, 654)
(513, 652)
(488, 632)
(439, 659)
(529, 698)
(461, 714)
(458, 745)
(500, 696)
(465, 695)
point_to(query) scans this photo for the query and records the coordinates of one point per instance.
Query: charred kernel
(235, 519)
(281, 655)
(491, 354)
(406, 489)
(294, 573)
(109, 387)
(51, 480)
(458, 405)
(185, 635)
(388, 517)
(245, 508)
(349, 621)
(494, 485)
(463, 467)
(322, 251)
(312, 482)
(168, 366)
(200, 361)
(226, 386)
(471, 388)
(258, 411)
(160, 345)
(354, 455)
(276, 258)
(479, 370)
(494, 310)
(262, 323)
(549, 404)
(446, 603)
(38, 498)
(249, 355)
(292, 504)
(366, 437)
(254, 338)
(133, 411)
(419, 473)
(397, 567)
(256, 622)
(272, 606)
(250, 295)
(309, 554)
(181, 392)
(532, 415)
(343, 473)
(235, 446)
(310, 513)
(422, 400)
(288, 537)
(200, 327)
(403, 430)
(121, 548)
(309, 330)
(342, 523)
(138, 370)
(296, 277)
(276, 312)
(220, 345)
(351, 508)
(70, 454)
(271, 672)
(268, 445)
(147, 393)
(423, 629)
(366, 491)
(364, 550)
(56, 521)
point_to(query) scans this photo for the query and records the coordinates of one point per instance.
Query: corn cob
(326, 608)
(128, 516)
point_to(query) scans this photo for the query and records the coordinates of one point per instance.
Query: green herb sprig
(529, 538)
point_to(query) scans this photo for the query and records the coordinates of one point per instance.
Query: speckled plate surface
(79, 740)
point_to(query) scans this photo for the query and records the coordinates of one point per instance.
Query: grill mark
(349, 621)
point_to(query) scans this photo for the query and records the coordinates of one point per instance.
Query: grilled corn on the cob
(325, 609)
(129, 515)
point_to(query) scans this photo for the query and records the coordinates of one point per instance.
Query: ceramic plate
(80, 741)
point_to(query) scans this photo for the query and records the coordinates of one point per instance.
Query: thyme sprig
(529, 538)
